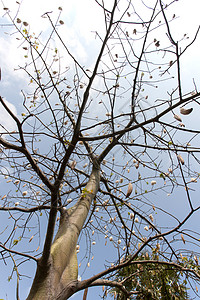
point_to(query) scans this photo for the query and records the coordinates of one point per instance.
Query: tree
(96, 146)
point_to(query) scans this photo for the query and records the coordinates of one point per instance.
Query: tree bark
(62, 266)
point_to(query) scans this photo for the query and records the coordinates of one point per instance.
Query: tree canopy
(99, 152)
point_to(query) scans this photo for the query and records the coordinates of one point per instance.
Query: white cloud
(79, 22)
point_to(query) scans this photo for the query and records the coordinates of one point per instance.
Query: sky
(81, 20)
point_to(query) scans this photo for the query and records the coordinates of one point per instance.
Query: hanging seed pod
(73, 164)
(178, 118)
(153, 182)
(180, 159)
(130, 189)
(31, 238)
(186, 111)
(193, 179)
(182, 237)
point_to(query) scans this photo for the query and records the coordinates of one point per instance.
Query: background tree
(96, 146)
(153, 280)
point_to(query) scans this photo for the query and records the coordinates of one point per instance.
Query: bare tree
(96, 146)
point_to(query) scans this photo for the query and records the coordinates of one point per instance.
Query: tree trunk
(62, 267)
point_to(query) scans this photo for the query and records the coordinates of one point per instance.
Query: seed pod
(196, 259)
(180, 159)
(73, 164)
(193, 179)
(182, 237)
(178, 118)
(153, 182)
(31, 238)
(186, 111)
(130, 189)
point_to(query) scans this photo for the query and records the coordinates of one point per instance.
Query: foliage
(152, 280)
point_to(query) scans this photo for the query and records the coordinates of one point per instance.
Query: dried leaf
(186, 111)
(157, 44)
(183, 238)
(130, 189)
(180, 159)
(178, 118)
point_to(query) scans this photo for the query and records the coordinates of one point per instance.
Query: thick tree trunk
(62, 267)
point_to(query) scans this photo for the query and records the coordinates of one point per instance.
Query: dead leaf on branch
(157, 44)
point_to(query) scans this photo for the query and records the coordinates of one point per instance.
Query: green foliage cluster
(152, 281)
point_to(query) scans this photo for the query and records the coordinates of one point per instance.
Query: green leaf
(162, 175)
(15, 242)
